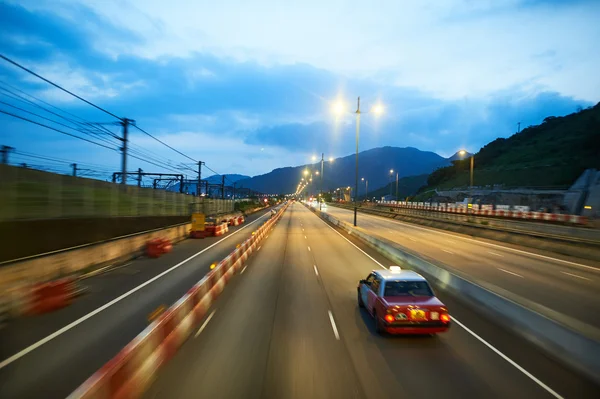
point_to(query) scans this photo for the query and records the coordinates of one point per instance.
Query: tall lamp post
(314, 158)
(366, 188)
(339, 108)
(390, 180)
(396, 186)
(462, 153)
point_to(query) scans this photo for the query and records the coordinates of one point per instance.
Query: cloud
(222, 81)
(449, 48)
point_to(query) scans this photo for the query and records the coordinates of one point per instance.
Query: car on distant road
(402, 302)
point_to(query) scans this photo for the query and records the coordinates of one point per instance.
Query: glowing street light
(339, 108)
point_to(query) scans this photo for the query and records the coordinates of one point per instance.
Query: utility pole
(139, 179)
(125, 123)
(74, 166)
(198, 188)
(356, 172)
(321, 188)
(396, 186)
(5, 150)
(223, 187)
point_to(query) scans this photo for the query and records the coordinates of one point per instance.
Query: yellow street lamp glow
(377, 109)
(305, 172)
(462, 152)
(330, 159)
(317, 172)
(391, 171)
(338, 107)
(314, 157)
(362, 178)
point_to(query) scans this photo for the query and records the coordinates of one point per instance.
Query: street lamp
(339, 108)
(366, 188)
(314, 158)
(390, 180)
(463, 153)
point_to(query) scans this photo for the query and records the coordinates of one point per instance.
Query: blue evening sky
(247, 86)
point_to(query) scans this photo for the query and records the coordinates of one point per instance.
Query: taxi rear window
(407, 288)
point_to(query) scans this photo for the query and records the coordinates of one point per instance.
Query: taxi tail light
(389, 318)
(444, 317)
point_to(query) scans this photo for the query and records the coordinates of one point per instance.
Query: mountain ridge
(374, 165)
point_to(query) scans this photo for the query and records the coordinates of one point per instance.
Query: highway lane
(87, 338)
(289, 327)
(563, 284)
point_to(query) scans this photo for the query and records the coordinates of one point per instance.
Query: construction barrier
(133, 369)
(43, 297)
(501, 211)
(158, 246)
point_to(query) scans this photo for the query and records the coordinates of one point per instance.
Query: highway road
(567, 285)
(48, 356)
(288, 326)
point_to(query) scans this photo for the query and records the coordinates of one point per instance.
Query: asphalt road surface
(48, 356)
(288, 326)
(567, 285)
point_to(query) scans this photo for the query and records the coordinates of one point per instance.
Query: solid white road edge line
(509, 360)
(502, 355)
(488, 244)
(205, 323)
(351, 243)
(316, 271)
(244, 269)
(308, 249)
(335, 330)
(75, 323)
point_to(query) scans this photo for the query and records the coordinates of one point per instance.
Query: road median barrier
(562, 244)
(134, 368)
(567, 340)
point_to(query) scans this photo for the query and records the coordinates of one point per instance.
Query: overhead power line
(165, 144)
(81, 121)
(58, 86)
(56, 130)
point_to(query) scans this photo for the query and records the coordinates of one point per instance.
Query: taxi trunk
(415, 315)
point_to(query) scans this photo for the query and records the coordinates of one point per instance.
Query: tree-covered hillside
(552, 154)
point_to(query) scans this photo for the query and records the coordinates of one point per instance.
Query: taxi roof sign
(395, 269)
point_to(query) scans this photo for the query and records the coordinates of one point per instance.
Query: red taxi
(402, 302)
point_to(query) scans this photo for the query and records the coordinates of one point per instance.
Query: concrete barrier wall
(585, 249)
(86, 257)
(572, 342)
